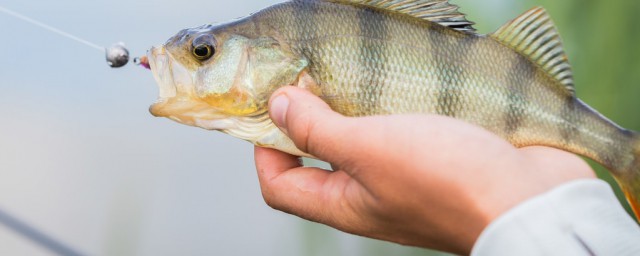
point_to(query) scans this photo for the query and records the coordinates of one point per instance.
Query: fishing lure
(142, 61)
(117, 55)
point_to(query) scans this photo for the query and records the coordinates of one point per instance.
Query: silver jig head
(117, 55)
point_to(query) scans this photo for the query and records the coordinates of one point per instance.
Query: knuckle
(314, 138)
(267, 192)
(273, 199)
(269, 198)
(300, 128)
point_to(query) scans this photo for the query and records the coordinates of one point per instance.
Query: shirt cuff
(581, 217)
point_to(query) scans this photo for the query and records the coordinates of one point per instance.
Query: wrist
(537, 171)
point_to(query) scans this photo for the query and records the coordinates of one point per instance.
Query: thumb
(310, 123)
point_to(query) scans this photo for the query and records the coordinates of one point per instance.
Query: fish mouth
(177, 99)
(160, 63)
(174, 82)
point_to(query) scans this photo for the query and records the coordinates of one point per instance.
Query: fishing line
(51, 29)
(117, 55)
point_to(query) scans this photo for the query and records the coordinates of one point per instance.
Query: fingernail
(278, 109)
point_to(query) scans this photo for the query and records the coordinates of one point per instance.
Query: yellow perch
(382, 57)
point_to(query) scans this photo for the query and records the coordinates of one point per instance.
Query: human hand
(420, 180)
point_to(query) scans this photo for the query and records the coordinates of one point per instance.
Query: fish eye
(203, 46)
(203, 52)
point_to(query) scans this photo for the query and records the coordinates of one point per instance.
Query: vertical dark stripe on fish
(449, 59)
(372, 58)
(305, 24)
(569, 113)
(304, 29)
(520, 80)
(300, 17)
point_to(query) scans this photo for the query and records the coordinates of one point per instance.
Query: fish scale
(441, 77)
(381, 57)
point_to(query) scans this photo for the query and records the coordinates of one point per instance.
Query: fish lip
(161, 63)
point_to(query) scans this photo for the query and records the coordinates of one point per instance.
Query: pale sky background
(83, 161)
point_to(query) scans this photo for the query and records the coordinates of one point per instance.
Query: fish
(386, 57)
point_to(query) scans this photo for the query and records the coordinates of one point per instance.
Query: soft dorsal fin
(438, 11)
(534, 35)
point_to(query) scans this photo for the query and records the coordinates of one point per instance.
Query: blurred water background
(83, 161)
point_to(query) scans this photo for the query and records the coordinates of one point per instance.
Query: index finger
(307, 192)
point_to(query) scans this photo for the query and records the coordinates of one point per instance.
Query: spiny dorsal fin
(438, 11)
(534, 35)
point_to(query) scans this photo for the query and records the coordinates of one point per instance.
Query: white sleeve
(578, 218)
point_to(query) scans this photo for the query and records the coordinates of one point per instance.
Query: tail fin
(629, 179)
(632, 199)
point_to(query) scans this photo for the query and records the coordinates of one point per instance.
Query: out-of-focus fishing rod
(37, 236)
